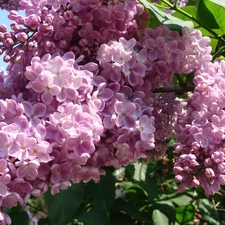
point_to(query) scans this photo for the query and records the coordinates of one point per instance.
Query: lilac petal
(68, 55)
(106, 94)
(54, 90)
(133, 79)
(47, 97)
(3, 189)
(43, 157)
(119, 107)
(27, 107)
(39, 110)
(129, 108)
(57, 62)
(55, 178)
(150, 43)
(22, 122)
(3, 141)
(144, 135)
(129, 121)
(128, 45)
(160, 41)
(144, 120)
(39, 87)
(142, 55)
(139, 69)
(21, 171)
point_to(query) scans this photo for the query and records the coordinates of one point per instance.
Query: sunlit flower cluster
(201, 132)
(82, 92)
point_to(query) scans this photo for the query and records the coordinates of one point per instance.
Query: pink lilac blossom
(201, 137)
(62, 118)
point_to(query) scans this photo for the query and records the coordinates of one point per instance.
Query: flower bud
(22, 36)
(3, 28)
(8, 42)
(209, 172)
(15, 27)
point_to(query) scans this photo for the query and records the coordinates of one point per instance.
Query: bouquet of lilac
(88, 86)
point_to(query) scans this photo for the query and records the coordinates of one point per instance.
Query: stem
(39, 210)
(174, 89)
(181, 83)
(175, 3)
(174, 7)
(218, 53)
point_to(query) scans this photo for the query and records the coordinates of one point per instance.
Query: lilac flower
(125, 114)
(200, 117)
(89, 33)
(4, 218)
(145, 126)
(28, 170)
(12, 199)
(59, 70)
(3, 167)
(20, 147)
(134, 71)
(79, 122)
(60, 172)
(41, 152)
(4, 180)
(5, 143)
(47, 88)
(34, 112)
(155, 48)
(82, 144)
(203, 137)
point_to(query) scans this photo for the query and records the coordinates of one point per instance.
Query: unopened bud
(22, 36)
(15, 27)
(6, 58)
(3, 28)
(8, 42)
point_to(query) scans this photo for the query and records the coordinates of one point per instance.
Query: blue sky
(4, 20)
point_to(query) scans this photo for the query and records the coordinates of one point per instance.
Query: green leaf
(121, 218)
(121, 205)
(19, 218)
(211, 15)
(136, 194)
(62, 206)
(185, 213)
(165, 19)
(208, 212)
(102, 194)
(93, 217)
(150, 184)
(43, 221)
(178, 198)
(159, 218)
(205, 15)
(167, 209)
(219, 2)
(140, 170)
(126, 184)
(146, 181)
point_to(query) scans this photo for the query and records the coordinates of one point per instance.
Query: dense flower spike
(201, 132)
(82, 91)
(9, 4)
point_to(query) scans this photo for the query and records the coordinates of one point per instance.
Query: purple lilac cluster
(201, 132)
(9, 4)
(60, 26)
(81, 92)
